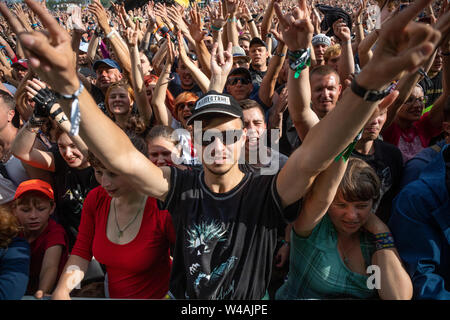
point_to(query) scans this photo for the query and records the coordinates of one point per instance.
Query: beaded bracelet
(384, 241)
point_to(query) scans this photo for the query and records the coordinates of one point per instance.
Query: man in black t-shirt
(385, 158)
(216, 254)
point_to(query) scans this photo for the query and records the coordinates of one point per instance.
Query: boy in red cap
(33, 204)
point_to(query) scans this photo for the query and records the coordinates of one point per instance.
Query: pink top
(413, 139)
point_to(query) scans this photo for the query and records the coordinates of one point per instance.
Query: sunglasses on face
(412, 100)
(190, 105)
(227, 137)
(234, 81)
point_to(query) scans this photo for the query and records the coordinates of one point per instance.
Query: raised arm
(118, 45)
(403, 45)
(221, 64)
(137, 78)
(267, 88)
(319, 198)
(198, 34)
(297, 40)
(161, 112)
(53, 60)
(346, 62)
(199, 77)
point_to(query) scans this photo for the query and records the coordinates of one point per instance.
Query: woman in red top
(127, 233)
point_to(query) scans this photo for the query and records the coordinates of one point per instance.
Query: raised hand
(132, 35)
(296, 28)
(341, 30)
(100, 13)
(221, 61)
(196, 25)
(50, 55)
(403, 45)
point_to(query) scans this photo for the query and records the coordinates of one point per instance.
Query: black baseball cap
(241, 71)
(257, 41)
(216, 103)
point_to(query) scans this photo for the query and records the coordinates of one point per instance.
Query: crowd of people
(268, 149)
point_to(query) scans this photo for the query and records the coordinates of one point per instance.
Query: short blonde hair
(332, 52)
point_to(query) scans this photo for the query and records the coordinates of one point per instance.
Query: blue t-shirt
(14, 269)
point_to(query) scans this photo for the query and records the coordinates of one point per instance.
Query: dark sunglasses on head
(234, 81)
(226, 137)
(190, 105)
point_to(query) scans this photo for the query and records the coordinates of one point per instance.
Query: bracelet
(445, 54)
(250, 21)
(384, 241)
(215, 28)
(349, 149)
(232, 20)
(55, 113)
(63, 118)
(285, 243)
(279, 54)
(111, 34)
(75, 110)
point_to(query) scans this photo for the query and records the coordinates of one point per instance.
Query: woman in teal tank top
(337, 237)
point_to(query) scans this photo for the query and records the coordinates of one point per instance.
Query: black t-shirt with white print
(228, 239)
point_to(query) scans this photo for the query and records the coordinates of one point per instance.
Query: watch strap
(368, 95)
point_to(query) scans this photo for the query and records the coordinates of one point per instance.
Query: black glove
(44, 101)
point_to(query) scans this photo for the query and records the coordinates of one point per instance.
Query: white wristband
(111, 34)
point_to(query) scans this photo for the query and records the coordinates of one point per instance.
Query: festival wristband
(75, 110)
(384, 241)
(348, 151)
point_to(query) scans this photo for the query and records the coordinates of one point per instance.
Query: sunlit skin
(161, 150)
(115, 185)
(184, 112)
(106, 75)
(374, 125)
(239, 91)
(119, 101)
(333, 62)
(410, 112)
(217, 158)
(348, 217)
(34, 211)
(145, 64)
(187, 81)
(239, 62)
(259, 55)
(255, 125)
(149, 91)
(319, 51)
(325, 91)
(244, 44)
(70, 153)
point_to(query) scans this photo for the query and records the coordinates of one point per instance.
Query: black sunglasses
(227, 137)
(190, 105)
(234, 81)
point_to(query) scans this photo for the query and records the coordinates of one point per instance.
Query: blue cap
(109, 62)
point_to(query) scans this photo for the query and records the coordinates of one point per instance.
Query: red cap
(34, 185)
(22, 62)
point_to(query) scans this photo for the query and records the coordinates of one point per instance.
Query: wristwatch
(368, 95)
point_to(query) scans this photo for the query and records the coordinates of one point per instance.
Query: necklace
(121, 231)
